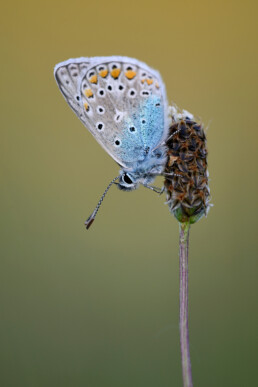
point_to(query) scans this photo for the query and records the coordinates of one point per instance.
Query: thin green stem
(184, 332)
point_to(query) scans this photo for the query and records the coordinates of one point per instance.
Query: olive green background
(99, 308)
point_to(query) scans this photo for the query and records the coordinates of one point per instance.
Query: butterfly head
(130, 180)
(144, 173)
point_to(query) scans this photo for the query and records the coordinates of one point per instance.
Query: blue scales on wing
(120, 100)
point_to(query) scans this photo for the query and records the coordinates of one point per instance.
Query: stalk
(183, 324)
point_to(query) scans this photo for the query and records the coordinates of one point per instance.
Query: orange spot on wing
(86, 106)
(103, 73)
(94, 79)
(149, 81)
(88, 93)
(143, 80)
(115, 73)
(157, 85)
(130, 74)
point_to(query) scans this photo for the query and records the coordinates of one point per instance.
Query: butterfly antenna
(92, 217)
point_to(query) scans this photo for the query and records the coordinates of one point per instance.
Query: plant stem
(184, 332)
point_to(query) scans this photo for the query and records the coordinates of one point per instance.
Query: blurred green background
(100, 308)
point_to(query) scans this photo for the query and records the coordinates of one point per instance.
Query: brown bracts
(186, 174)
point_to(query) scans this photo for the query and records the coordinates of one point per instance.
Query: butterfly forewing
(68, 76)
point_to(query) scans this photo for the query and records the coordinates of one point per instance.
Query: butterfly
(123, 103)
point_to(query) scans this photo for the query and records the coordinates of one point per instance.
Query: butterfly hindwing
(120, 100)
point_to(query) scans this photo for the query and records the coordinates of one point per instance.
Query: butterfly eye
(127, 179)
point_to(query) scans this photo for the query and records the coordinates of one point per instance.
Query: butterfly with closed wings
(123, 103)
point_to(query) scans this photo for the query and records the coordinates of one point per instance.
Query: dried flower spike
(186, 174)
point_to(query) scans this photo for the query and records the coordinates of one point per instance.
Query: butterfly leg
(155, 189)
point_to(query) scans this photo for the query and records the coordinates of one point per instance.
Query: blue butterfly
(123, 103)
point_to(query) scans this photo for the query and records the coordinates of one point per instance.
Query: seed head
(186, 174)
